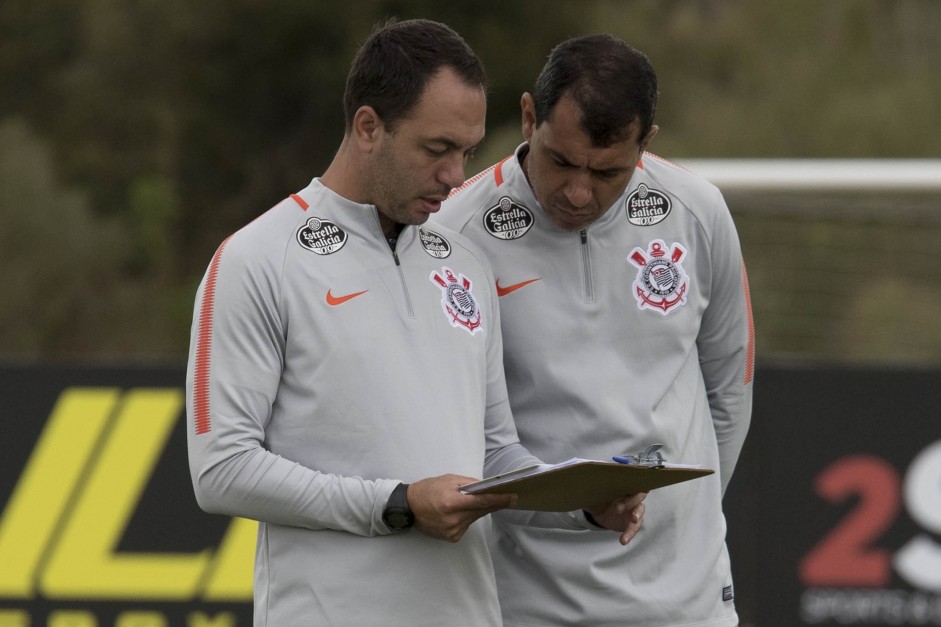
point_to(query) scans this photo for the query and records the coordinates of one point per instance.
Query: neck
(345, 176)
(336, 182)
(389, 227)
(524, 166)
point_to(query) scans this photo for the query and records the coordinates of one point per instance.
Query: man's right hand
(443, 512)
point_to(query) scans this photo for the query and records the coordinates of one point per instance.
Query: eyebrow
(450, 144)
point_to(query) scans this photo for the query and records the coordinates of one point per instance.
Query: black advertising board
(834, 511)
(98, 522)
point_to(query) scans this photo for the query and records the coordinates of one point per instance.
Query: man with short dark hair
(626, 323)
(345, 374)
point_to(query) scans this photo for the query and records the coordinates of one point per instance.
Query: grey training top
(324, 370)
(634, 331)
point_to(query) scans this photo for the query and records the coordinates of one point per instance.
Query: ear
(528, 107)
(367, 127)
(650, 135)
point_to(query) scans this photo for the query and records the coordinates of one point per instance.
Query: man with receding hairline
(626, 323)
(345, 375)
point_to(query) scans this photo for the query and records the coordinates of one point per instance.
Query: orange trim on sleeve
(750, 354)
(201, 409)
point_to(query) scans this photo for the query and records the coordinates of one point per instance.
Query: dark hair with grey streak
(613, 84)
(393, 67)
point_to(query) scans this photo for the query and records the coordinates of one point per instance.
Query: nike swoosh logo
(333, 301)
(503, 291)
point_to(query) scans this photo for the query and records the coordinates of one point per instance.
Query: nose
(452, 171)
(578, 189)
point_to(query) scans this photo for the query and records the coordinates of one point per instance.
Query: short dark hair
(393, 67)
(612, 83)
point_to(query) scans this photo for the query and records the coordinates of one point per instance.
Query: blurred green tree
(168, 125)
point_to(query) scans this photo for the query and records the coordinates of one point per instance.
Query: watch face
(398, 519)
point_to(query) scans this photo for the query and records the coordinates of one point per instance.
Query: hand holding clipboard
(580, 483)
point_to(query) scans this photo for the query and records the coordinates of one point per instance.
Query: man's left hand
(625, 515)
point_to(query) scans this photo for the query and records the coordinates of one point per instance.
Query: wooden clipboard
(571, 486)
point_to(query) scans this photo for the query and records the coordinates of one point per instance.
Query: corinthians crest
(458, 302)
(661, 282)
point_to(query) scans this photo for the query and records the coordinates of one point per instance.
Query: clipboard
(581, 483)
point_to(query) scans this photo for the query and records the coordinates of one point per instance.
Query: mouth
(570, 220)
(571, 215)
(433, 203)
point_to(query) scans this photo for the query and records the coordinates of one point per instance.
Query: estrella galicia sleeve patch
(646, 207)
(434, 244)
(321, 236)
(508, 219)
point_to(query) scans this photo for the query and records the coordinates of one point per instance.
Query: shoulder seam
(496, 168)
(666, 161)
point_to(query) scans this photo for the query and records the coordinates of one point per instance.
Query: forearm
(257, 484)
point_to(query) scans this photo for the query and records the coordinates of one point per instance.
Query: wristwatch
(397, 516)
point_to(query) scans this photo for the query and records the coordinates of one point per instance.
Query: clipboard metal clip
(650, 456)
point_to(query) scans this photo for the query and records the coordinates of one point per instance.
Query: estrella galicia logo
(434, 244)
(646, 207)
(321, 236)
(508, 219)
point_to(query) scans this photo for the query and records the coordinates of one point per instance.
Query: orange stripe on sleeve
(750, 355)
(201, 408)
